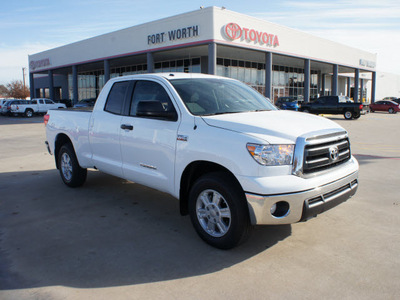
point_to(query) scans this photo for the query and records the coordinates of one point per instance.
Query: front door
(147, 143)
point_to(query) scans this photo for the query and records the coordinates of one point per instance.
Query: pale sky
(28, 27)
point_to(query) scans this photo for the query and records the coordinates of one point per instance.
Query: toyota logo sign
(333, 153)
(233, 31)
(250, 35)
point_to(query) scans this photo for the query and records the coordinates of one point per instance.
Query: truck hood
(274, 127)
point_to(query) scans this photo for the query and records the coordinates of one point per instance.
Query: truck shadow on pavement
(109, 232)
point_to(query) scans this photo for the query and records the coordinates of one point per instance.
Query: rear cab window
(116, 97)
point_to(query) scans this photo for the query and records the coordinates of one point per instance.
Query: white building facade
(276, 60)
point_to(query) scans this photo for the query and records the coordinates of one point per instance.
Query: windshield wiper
(235, 112)
(223, 113)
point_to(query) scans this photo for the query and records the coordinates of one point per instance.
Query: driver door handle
(126, 127)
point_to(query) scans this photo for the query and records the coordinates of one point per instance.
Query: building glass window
(286, 81)
(90, 83)
(186, 65)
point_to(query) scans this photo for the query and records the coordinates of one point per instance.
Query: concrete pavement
(113, 239)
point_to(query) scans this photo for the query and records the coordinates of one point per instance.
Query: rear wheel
(348, 115)
(28, 113)
(218, 210)
(356, 115)
(71, 172)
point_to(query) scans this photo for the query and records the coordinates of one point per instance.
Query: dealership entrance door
(278, 92)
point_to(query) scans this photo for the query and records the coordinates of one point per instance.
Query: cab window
(116, 97)
(149, 91)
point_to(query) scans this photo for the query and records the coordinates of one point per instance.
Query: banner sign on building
(34, 64)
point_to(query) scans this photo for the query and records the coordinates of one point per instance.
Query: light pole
(23, 76)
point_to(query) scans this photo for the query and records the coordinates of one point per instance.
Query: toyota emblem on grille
(333, 153)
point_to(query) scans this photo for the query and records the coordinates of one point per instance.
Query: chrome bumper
(301, 205)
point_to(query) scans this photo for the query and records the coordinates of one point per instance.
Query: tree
(17, 90)
(3, 91)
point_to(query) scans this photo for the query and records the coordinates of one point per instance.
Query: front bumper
(301, 205)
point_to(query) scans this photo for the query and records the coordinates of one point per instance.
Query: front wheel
(71, 172)
(218, 210)
(391, 111)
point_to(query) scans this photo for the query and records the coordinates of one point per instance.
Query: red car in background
(385, 105)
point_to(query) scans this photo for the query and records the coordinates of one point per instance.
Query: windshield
(213, 96)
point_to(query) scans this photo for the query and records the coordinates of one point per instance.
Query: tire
(306, 111)
(356, 116)
(348, 115)
(218, 210)
(29, 113)
(71, 172)
(391, 111)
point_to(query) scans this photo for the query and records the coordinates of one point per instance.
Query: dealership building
(276, 60)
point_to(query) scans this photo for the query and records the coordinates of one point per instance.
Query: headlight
(271, 155)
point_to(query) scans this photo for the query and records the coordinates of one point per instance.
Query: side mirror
(154, 109)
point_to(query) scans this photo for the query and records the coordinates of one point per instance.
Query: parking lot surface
(113, 239)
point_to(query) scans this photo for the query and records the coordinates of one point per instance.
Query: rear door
(320, 106)
(104, 130)
(331, 105)
(41, 106)
(148, 143)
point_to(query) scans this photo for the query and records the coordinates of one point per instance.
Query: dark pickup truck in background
(335, 105)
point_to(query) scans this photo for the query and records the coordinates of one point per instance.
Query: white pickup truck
(231, 158)
(35, 106)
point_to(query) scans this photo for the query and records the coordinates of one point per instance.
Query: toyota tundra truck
(231, 158)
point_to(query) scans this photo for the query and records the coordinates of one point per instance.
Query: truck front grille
(319, 151)
(322, 155)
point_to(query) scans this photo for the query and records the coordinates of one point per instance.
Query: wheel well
(61, 140)
(193, 172)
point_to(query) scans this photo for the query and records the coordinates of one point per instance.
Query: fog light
(280, 209)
